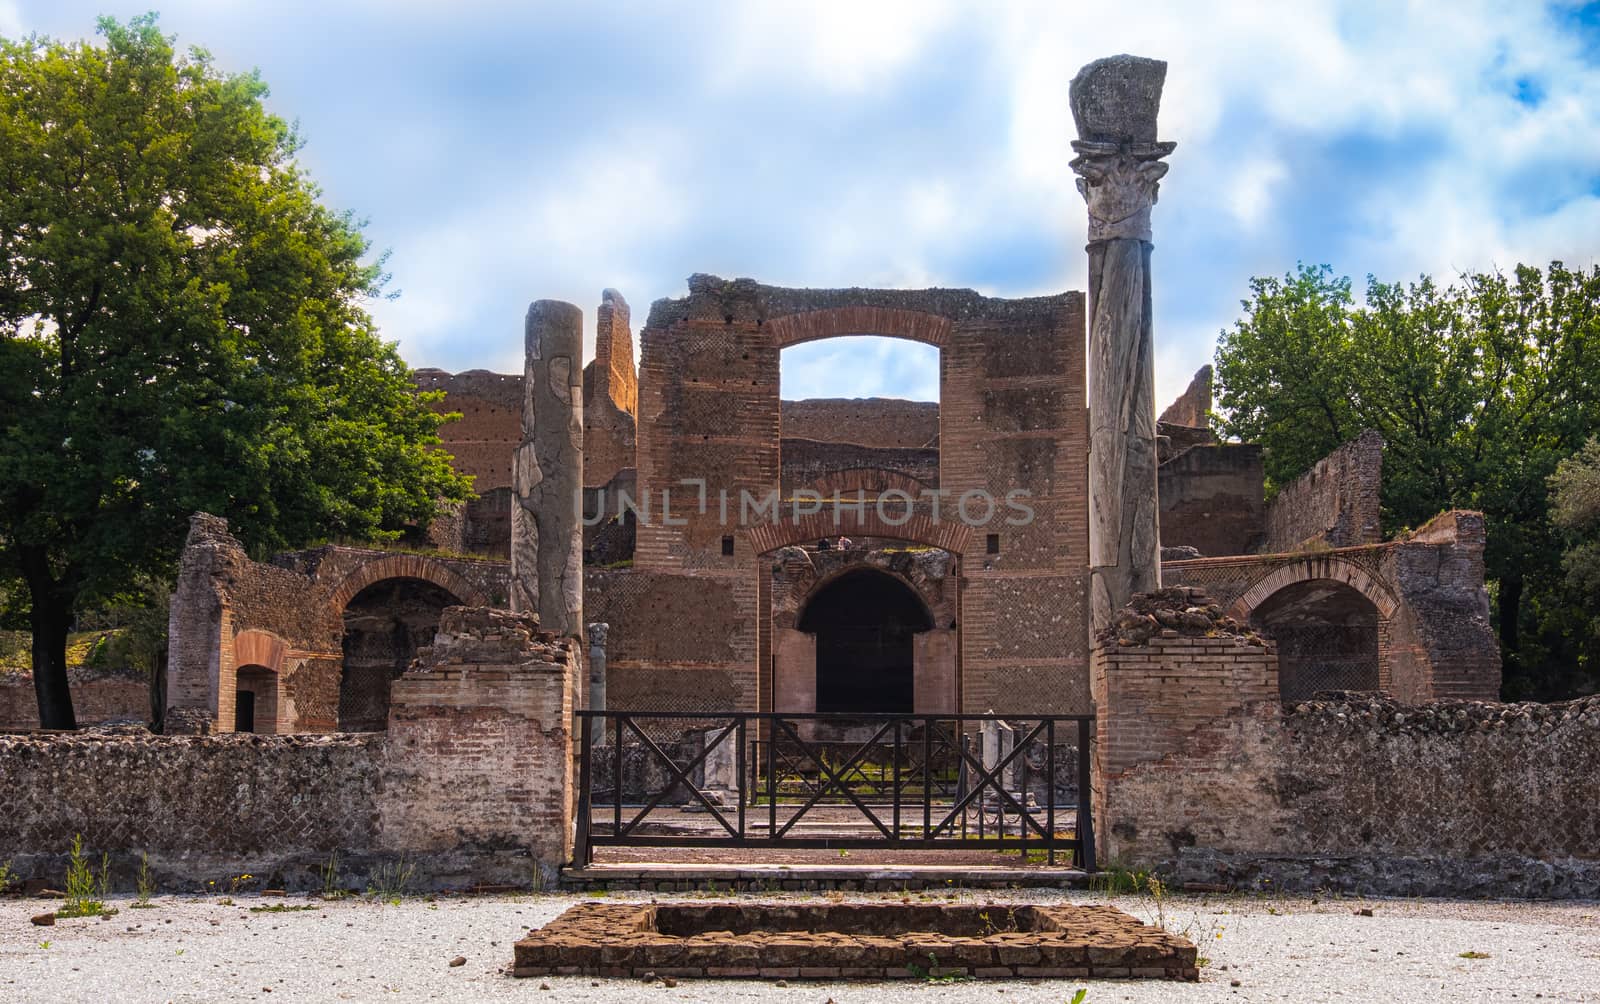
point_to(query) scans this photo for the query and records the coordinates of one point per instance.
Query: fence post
(581, 853)
(1085, 796)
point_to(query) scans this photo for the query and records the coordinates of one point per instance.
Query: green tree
(1478, 388)
(182, 327)
(1575, 494)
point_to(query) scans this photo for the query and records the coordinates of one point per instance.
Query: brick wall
(96, 697)
(874, 421)
(610, 395)
(1201, 771)
(471, 784)
(1211, 499)
(490, 427)
(1335, 504)
(822, 466)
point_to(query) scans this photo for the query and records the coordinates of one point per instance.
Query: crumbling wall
(1335, 504)
(887, 423)
(1201, 771)
(1211, 499)
(610, 395)
(472, 782)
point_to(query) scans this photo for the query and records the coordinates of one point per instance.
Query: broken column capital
(1114, 104)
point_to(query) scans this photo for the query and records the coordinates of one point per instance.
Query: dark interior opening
(384, 625)
(244, 711)
(1326, 635)
(864, 621)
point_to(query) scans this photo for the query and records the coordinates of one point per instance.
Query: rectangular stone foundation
(852, 941)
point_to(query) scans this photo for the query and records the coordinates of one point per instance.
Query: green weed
(82, 883)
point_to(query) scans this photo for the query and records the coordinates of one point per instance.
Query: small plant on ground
(284, 908)
(81, 884)
(146, 884)
(331, 889)
(1079, 997)
(1473, 955)
(8, 878)
(389, 881)
(931, 973)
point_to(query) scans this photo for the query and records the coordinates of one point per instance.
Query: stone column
(547, 472)
(1114, 103)
(597, 665)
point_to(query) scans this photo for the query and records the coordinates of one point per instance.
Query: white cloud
(842, 45)
(10, 19)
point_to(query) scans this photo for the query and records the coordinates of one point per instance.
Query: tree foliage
(1479, 389)
(182, 327)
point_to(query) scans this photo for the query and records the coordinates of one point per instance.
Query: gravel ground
(1276, 949)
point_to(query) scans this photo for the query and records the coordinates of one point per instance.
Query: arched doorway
(864, 622)
(255, 701)
(384, 625)
(1326, 634)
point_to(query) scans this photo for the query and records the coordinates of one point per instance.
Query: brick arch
(834, 322)
(822, 582)
(255, 647)
(1328, 567)
(865, 479)
(951, 535)
(405, 566)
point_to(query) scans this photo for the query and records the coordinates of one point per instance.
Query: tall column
(547, 472)
(1114, 103)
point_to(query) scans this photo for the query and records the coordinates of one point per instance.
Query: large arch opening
(864, 622)
(384, 626)
(1326, 634)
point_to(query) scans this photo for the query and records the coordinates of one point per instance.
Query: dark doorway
(864, 621)
(1326, 635)
(244, 711)
(384, 625)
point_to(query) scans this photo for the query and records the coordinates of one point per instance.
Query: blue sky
(509, 151)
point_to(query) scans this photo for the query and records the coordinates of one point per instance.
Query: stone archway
(836, 322)
(1324, 566)
(385, 625)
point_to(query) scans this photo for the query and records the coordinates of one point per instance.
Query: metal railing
(842, 781)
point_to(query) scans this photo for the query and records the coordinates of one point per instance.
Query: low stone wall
(202, 807)
(1360, 794)
(96, 698)
(471, 784)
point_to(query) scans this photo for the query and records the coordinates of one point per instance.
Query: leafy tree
(1575, 492)
(182, 327)
(1478, 388)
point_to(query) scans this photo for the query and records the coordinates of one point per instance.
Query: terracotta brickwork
(1335, 504)
(852, 941)
(1211, 499)
(1425, 590)
(484, 438)
(96, 697)
(887, 423)
(1011, 417)
(610, 395)
(287, 619)
(481, 747)
(471, 783)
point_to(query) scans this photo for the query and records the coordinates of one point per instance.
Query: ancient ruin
(961, 617)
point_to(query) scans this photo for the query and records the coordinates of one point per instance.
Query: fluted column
(1114, 104)
(547, 472)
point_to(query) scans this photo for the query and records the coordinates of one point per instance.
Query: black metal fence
(761, 779)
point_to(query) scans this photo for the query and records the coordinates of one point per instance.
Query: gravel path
(1277, 950)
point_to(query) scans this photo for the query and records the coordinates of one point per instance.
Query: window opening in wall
(991, 544)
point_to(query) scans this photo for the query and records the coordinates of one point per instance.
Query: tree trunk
(50, 619)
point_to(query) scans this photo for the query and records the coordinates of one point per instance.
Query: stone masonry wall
(1362, 794)
(610, 395)
(96, 698)
(1211, 499)
(1335, 504)
(472, 782)
(875, 421)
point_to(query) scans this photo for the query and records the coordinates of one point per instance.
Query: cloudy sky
(510, 151)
